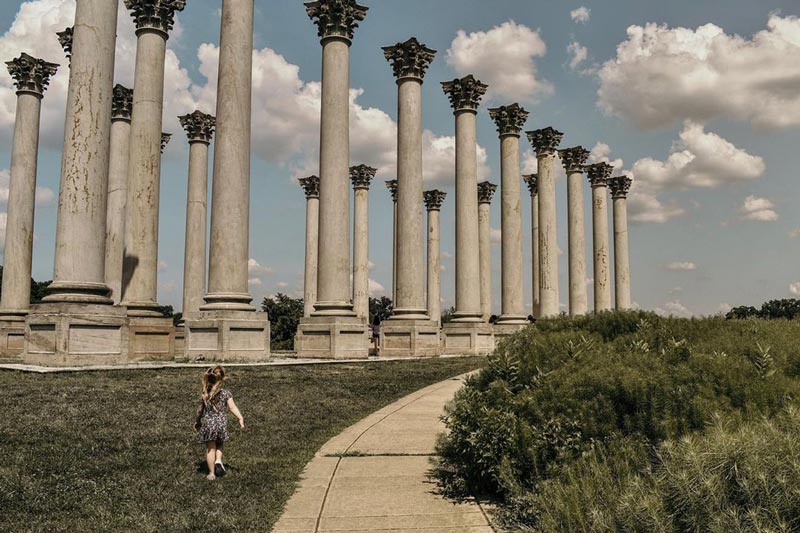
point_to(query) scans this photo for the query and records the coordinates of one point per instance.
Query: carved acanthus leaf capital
(362, 176)
(620, 186)
(465, 93)
(31, 74)
(599, 173)
(574, 159)
(199, 126)
(165, 138)
(434, 199)
(336, 18)
(532, 181)
(485, 192)
(65, 40)
(122, 102)
(409, 59)
(392, 186)
(545, 141)
(155, 14)
(311, 186)
(509, 119)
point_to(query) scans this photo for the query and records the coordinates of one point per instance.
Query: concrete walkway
(375, 476)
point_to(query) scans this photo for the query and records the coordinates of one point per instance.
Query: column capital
(434, 199)
(485, 192)
(31, 75)
(362, 176)
(122, 103)
(392, 186)
(165, 138)
(509, 119)
(158, 15)
(545, 141)
(65, 40)
(409, 59)
(464, 93)
(199, 126)
(311, 186)
(599, 173)
(336, 18)
(574, 159)
(532, 181)
(620, 186)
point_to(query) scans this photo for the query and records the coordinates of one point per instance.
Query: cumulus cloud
(794, 233)
(794, 288)
(162, 266)
(580, 15)
(661, 75)
(282, 285)
(254, 268)
(577, 53)
(496, 236)
(680, 265)
(376, 289)
(488, 54)
(674, 308)
(255, 282)
(758, 209)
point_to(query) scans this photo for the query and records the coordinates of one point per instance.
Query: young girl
(212, 419)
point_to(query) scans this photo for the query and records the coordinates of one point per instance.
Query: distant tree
(788, 308)
(284, 313)
(381, 308)
(447, 315)
(741, 312)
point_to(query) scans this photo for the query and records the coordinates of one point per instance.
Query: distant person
(212, 419)
(376, 333)
(531, 319)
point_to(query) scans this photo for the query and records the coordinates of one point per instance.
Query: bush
(599, 388)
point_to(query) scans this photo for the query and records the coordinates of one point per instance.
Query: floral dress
(214, 418)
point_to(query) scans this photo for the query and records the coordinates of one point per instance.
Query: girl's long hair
(212, 383)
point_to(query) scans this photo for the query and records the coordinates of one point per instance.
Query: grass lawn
(115, 451)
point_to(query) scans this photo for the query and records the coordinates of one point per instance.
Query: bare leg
(219, 452)
(211, 455)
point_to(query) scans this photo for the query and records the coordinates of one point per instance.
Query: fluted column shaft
(485, 252)
(621, 259)
(361, 176)
(531, 180)
(79, 273)
(548, 237)
(602, 275)
(230, 200)
(140, 264)
(434, 266)
(194, 257)
(18, 253)
(578, 296)
(311, 187)
(513, 304)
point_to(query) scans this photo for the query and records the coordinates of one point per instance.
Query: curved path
(375, 476)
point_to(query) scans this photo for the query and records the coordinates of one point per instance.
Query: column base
(12, 334)
(332, 337)
(502, 331)
(410, 314)
(142, 309)
(466, 318)
(224, 301)
(150, 339)
(512, 320)
(78, 292)
(227, 336)
(70, 334)
(409, 338)
(470, 338)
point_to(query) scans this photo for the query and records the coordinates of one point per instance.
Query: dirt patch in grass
(115, 451)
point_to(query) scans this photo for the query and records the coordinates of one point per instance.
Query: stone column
(361, 176)
(31, 78)
(392, 186)
(545, 141)
(598, 177)
(334, 330)
(485, 194)
(310, 186)
(620, 186)
(510, 120)
(154, 20)
(409, 62)
(199, 130)
(531, 180)
(121, 112)
(465, 96)
(165, 138)
(433, 203)
(574, 160)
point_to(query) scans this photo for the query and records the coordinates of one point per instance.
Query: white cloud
(680, 265)
(794, 288)
(44, 195)
(446, 256)
(254, 268)
(496, 236)
(794, 233)
(376, 289)
(674, 308)
(168, 286)
(162, 266)
(580, 15)
(661, 75)
(488, 54)
(758, 209)
(3, 217)
(255, 282)
(282, 285)
(578, 54)
(724, 308)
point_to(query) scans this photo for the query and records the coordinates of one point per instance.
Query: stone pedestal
(227, 336)
(332, 337)
(409, 338)
(467, 338)
(502, 331)
(150, 339)
(12, 336)
(67, 334)
(180, 342)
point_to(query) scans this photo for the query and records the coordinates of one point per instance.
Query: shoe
(219, 469)
(211, 477)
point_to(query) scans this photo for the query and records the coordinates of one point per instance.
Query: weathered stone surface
(361, 177)
(531, 182)
(620, 186)
(485, 193)
(165, 138)
(574, 160)
(433, 203)
(199, 126)
(154, 14)
(332, 337)
(336, 18)
(392, 186)
(467, 338)
(409, 59)
(465, 93)
(598, 174)
(65, 40)
(509, 119)
(310, 186)
(409, 338)
(227, 335)
(31, 74)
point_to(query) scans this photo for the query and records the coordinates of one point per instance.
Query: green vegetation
(788, 308)
(115, 451)
(632, 422)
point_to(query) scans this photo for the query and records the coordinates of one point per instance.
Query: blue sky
(699, 100)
